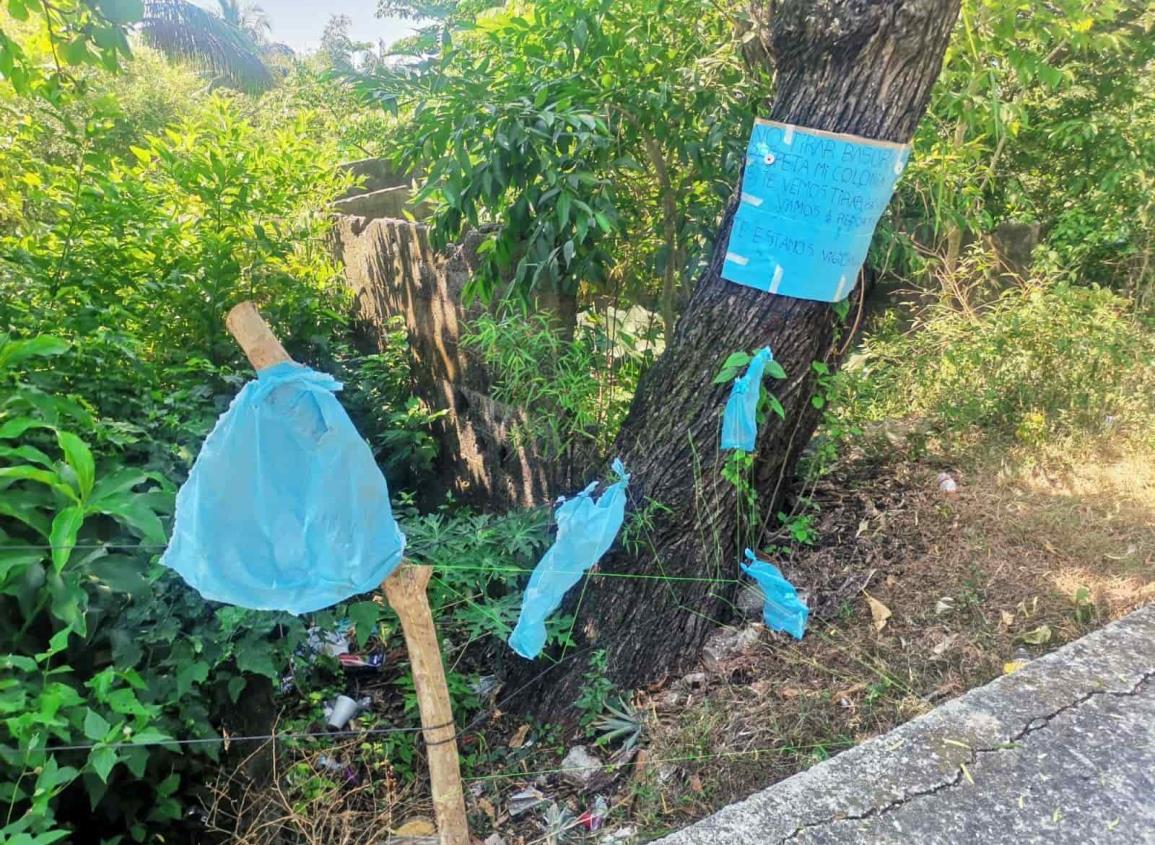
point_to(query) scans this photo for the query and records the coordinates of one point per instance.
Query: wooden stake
(405, 590)
(256, 339)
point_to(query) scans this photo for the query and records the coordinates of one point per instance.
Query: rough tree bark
(864, 67)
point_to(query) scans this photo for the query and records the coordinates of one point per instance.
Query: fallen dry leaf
(518, 738)
(1038, 636)
(946, 643)
(878, 611)
(417, 826)
(891, 581)
(1008, 618)
(696, 784)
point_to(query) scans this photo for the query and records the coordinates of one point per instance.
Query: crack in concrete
(1036, 724)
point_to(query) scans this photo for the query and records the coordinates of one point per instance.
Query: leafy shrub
(573, 393)
(1040, 361)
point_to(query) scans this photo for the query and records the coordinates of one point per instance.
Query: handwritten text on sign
(810, 202)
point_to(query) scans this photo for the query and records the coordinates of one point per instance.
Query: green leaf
(122, 11)
(65, 527)
(27, 453)
(96, 727)
(27, 512)
(15, 351)
(774, 370)
(776, 406)
(726, 375)
(115, 483)
(364, 615)
(236, 686)
(15, 427)
(78, 456)
(102, 761)
(736, 360)
(150, 736)
(190, 672)
(256, 657)
(17, 559)
(134, 512)
(121, 573)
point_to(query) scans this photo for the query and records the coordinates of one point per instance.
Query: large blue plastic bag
(782, 610)
(740, 418)
(285, 508)
(585, 530)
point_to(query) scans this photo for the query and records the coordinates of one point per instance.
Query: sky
(299, 23)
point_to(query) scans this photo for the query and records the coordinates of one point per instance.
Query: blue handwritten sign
(810, 202)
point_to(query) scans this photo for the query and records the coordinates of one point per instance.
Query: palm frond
(183, 30)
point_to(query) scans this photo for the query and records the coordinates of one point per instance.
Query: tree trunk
(864, 67)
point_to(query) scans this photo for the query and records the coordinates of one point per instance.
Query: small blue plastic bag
(740, 418)
(783, 610)
(585, 530)
(285, 508)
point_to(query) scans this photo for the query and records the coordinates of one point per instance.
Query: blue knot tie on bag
(783, 610)
(740, 418)
(586, 529)
(285, 508)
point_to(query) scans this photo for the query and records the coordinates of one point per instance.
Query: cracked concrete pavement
(1062, 751)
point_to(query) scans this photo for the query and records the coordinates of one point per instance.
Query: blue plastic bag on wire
(586, 529)
(740, 418)
(285, 508)
(782, 610)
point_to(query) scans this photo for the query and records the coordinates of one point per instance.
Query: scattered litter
(329, 643)
(558, 822)
(740, 417)
(523, 800)
(485, 686)
(494, 839)
(1018, 660)
(585, 530)
(579, 766)
(1007, 617)
(879, 612)
(621, 836)
(342, 709)
(349, 773)
(726, 643)
(946, 483)
(593, 818)
(943, 605)
(784, 610)
(356, 662)
(750, 601)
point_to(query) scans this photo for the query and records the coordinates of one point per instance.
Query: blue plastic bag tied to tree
(285, 508)
(783, 610)
(740, 418)
(586, 528)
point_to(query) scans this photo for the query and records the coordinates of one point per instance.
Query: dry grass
(283, 793)
(1031, 546)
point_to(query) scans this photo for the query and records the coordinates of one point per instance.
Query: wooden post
(256, 339)
(405, 590)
